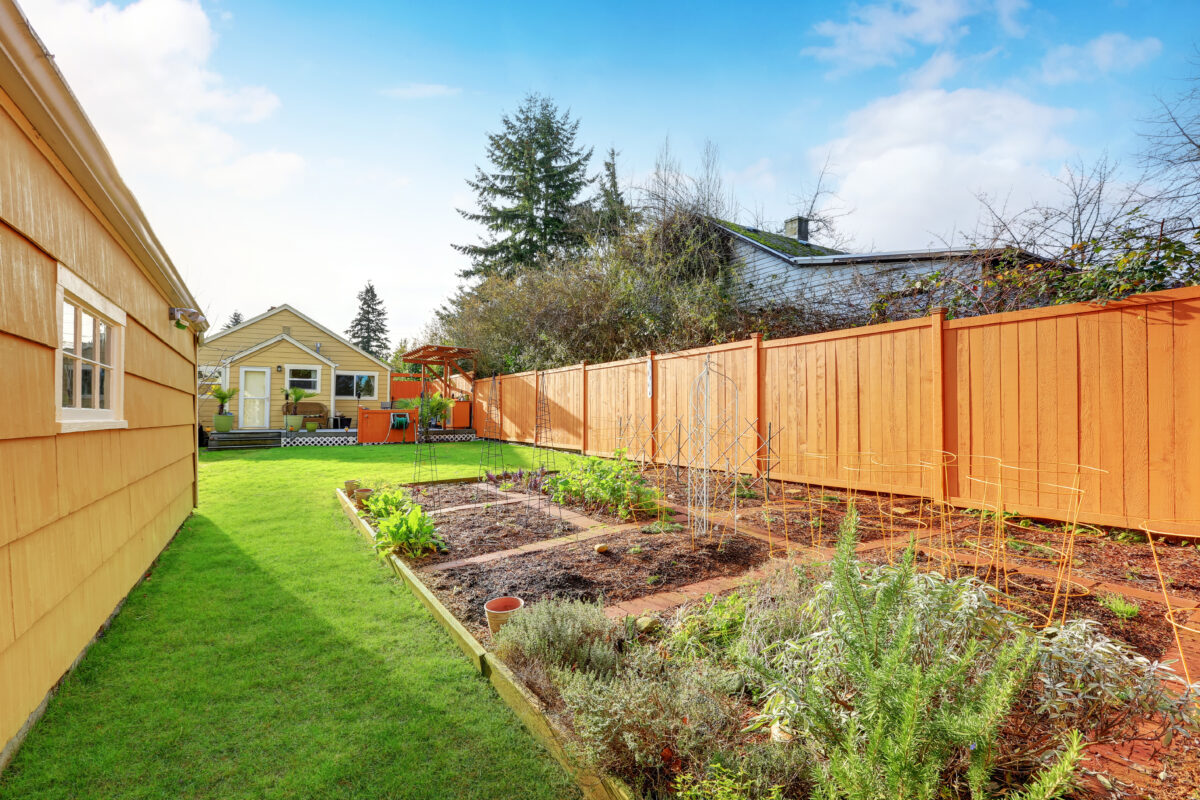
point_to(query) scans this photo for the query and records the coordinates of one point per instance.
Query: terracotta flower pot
(499, 609)
(350, 487)
(361, 495)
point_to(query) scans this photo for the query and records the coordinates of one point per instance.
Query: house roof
(283, 337)
(808, 254)
(285, 307)
(783, 246)
(29, 76)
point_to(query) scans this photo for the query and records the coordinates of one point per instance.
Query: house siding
(347, 359)
(767, 279)
(82, 515)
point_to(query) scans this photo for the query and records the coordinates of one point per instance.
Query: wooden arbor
(436, 355)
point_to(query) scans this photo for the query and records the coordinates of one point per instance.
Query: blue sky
(288, 152)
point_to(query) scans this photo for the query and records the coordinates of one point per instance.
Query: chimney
(796, 228)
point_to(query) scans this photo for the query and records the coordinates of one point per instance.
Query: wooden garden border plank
(510, 689)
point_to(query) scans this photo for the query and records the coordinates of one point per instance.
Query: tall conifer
(369, 330)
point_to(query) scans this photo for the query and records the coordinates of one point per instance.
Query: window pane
(105, 384)
(87, 336)
(68, 329)
(102, 334)
(344, 385)
(303, 378)
(366, 385)
(68, 380)
(85, 385)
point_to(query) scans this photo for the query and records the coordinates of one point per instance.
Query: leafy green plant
(614, 485)
(720, 783)
(662, 526)
(634, 550)
(411, 534)
(222, 396)
(652, 580)
(898, 683)
(292, 397)
(383, 503)
(436, 408)
(709, 630)
(1125, 609)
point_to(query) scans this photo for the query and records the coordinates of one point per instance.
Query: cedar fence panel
(1114, 389)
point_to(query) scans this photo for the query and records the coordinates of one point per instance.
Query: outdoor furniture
(313, 412)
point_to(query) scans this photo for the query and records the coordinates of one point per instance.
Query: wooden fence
(1113, 388)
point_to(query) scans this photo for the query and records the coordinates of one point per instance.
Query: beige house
(98, 408)
(280, 349)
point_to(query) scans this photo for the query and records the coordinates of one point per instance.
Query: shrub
(613, 484)
(719, 783)
(651, 720)
(901, 684)
(566, 634)
(410, 533)
(711, 629)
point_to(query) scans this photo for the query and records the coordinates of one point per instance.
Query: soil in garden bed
(1098, 557)
(1149, 632)
(636, 564)
(446, 495)
(475, 531)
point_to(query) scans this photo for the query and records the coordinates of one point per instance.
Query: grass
(269, 655)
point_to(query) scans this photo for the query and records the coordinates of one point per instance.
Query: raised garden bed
(436, 496)
(475, 531)
(636, 564)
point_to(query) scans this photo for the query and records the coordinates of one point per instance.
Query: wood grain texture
(1115, 388)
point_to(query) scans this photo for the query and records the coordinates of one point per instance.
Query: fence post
(937, 321)
(583, 437)
(758, 398)
(653, 384)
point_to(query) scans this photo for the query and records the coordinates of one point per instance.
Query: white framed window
(361, 385)
(303, 376)
(89, 362)
(210, 376)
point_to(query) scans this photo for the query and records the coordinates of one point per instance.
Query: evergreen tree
(369, 330)
(528, 201)
(608, 213)
(234, 319)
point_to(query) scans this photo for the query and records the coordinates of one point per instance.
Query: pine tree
(528, 201)
(369, 330)
(235, 319)
(613, 211)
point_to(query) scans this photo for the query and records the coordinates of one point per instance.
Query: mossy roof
(785, 245)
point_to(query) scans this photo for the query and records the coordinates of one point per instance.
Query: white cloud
(881, 32)
(141, 72)
(937, 70)
(421, 91)
(1111, 52)
(910, 164)
(1006, 14)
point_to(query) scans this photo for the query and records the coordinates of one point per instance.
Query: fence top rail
(848, 333)
(568, 368)
(1076, 309)
(740, 344)
(625, 362)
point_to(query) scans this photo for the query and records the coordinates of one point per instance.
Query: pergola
(436, 355)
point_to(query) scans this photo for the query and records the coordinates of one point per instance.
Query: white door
(255, 408)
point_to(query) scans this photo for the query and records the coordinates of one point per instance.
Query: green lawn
(269, 655)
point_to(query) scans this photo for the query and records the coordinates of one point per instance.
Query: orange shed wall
(82, 515)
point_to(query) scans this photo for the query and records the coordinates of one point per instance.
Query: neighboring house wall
(768, 279)
(222, 347)
(83, 513)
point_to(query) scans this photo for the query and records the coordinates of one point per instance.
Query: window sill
(79, 425)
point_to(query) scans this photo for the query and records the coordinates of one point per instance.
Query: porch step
(244, 440)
